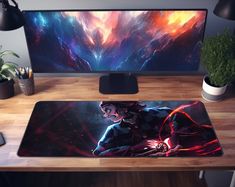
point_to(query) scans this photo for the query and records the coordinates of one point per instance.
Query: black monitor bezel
(126, 72)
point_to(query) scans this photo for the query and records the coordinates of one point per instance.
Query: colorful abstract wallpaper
(119, 129)
(97, 41)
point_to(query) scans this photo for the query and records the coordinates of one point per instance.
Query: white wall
(15, 40)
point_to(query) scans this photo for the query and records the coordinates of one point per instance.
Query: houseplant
(218, 58)
(7, 72)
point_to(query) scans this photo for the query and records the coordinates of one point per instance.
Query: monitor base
(118, 83)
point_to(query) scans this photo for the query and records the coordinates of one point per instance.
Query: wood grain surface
(15, 113)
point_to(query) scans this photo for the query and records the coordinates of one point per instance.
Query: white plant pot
(212, 93)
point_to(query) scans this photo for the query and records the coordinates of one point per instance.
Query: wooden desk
(15, 113)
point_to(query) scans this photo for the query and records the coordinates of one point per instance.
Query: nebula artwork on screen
(98, 41)
(120, 129)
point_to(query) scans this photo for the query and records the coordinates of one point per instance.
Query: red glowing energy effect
(198, 149)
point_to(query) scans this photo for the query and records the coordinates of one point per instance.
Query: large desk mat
(119, 129)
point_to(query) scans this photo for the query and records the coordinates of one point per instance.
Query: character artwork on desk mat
(120, 129)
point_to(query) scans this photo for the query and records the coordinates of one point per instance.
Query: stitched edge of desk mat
(119, 129)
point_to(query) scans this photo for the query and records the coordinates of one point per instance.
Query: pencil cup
(27, 86)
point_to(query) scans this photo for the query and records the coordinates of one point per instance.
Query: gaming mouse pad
(120, 129)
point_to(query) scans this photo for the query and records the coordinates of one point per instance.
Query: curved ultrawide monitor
(69, 41)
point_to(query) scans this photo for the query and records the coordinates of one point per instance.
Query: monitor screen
(114, 41)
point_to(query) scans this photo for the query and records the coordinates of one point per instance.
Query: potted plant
(7, 72)
(218, 58)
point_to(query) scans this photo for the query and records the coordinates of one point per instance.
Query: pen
(24, 72)
(30, 73)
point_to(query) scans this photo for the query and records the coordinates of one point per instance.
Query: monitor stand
(118, 83)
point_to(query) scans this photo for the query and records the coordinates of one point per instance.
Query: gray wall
(15, 40)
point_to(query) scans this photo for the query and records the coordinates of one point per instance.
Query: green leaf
(8, 52)
(13, 63)
(2, 77)
(8, 73)
(1, 62)
(8, 66)
(8, 70)
(218, 58)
